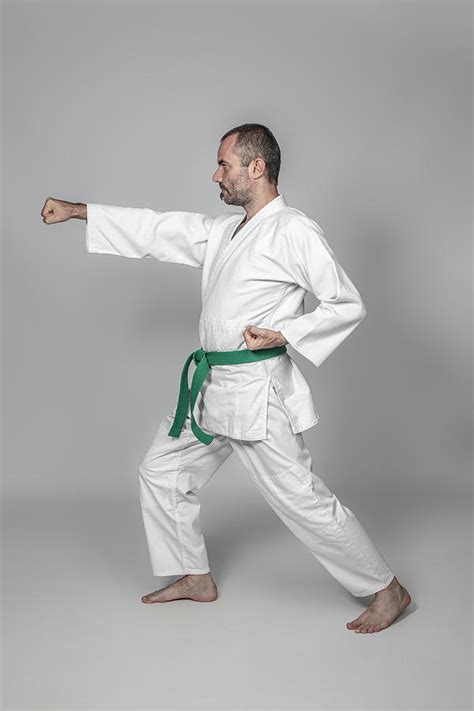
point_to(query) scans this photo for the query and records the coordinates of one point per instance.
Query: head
(249, 163)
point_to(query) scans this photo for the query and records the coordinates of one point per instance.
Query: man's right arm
(171, 236)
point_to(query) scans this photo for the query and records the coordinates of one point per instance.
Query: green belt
(203, 360)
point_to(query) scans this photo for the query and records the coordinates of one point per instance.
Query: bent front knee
(157, 487)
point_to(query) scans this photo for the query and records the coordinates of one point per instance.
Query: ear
(258, 167)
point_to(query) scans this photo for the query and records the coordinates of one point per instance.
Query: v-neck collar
(230, 245)
(272, 206)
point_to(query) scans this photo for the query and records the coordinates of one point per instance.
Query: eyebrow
(219, 162)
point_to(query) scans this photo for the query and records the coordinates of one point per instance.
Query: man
(247, 394)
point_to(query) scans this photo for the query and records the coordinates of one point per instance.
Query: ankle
(393, 586)
(199, 575)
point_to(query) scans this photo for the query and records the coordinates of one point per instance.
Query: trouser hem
(185, 571)
(376, 588)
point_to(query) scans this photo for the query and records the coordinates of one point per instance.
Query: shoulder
(299, 227)
(296, 221)
(304, 235)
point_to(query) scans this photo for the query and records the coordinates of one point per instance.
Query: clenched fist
(256, 337)
(60, 210)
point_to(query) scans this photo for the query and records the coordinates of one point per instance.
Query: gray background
(124, 104)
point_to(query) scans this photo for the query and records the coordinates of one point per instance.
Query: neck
(258, 202)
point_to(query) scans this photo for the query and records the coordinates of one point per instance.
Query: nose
(217, 176)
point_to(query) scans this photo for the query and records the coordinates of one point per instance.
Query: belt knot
(203, 361)
(199, 355)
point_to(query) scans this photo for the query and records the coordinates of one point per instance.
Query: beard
(234, 195)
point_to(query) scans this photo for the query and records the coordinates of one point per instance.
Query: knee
(157, 484)
(320, 489)
(144, 470)
(149, 470)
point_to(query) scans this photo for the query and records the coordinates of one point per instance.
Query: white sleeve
(314, 267)
(142, 232)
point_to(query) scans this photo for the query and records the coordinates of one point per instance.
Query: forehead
(225, 151)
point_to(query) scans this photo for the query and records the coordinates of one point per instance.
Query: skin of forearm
(79, 210)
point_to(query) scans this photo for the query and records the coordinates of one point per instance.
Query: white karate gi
(258, 409)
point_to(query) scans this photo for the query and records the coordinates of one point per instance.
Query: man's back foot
(388, 604)
(200, 588)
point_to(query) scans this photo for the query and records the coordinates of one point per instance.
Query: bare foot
(388, 604)
(201, 588)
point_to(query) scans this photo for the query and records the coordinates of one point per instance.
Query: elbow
(357, 312)
(362, 311)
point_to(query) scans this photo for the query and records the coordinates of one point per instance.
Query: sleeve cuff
(290, 331)
(94, 239)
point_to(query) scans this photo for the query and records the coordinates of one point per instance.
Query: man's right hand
(60, 210)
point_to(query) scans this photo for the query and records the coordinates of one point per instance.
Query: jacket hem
(254, 435)
(258, 434)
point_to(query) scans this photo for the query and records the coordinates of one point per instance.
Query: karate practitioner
(247, 394)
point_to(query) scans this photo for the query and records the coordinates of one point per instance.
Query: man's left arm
(315, 267)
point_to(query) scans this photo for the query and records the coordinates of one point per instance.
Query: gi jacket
(259, 277)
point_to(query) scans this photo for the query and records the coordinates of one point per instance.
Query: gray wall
(124, 103)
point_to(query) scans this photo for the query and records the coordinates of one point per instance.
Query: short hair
(257, 141)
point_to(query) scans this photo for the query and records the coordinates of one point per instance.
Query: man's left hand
(256, 337)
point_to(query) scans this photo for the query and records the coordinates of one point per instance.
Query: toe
(149, 598)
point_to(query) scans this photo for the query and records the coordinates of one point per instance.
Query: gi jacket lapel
(232, 243)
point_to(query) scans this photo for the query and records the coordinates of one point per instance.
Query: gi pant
(174, 469)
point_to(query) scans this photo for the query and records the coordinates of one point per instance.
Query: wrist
(78, 210)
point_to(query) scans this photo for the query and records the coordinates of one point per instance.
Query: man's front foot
(388, 604)
(200, 588)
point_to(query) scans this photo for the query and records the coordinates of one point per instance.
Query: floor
(77, 636)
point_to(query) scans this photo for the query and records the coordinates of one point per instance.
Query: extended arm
(137, 232)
